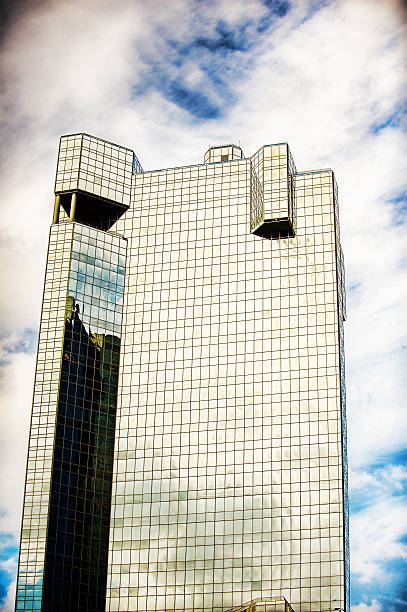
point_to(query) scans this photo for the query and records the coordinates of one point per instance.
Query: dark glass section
(78, 531)
(280, 228)
(93, 211)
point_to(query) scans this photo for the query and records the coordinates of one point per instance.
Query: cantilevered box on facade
(93, 180)
(272, 192)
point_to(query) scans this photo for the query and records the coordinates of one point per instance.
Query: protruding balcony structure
(272, 192)
(93, 181)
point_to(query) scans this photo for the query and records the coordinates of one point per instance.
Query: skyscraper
(188, 436)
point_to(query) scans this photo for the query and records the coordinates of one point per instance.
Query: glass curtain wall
(74, 557)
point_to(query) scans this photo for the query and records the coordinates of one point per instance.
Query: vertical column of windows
(43, 421)
(79, 512)
(321, 553)
(341, 318)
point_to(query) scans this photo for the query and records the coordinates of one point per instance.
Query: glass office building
(188, 437)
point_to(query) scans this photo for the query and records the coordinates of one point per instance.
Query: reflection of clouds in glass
(97, 282)
(230, 418)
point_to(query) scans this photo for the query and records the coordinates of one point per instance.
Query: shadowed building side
(78, 530)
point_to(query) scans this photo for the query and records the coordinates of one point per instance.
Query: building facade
(188, 436)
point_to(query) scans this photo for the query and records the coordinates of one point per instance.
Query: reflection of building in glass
(258, 605)
(65, 530)
(79, 514)
(208, 471)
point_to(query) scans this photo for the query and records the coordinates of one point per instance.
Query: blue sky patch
(3, 587)
(224, 39)
(26, 343)
(397, 458)
(388, 479)
(8, 550)
(390, 591)
(5, 580)
(277, 8)
(399, 206)
(218, 55)
(195, 102)
(396, 119)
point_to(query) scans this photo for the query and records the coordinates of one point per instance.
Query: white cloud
(376, 539)
(9, 565)
(16, 382)
(8, 604)
(382, 481)
(379, 528)
(362, 607)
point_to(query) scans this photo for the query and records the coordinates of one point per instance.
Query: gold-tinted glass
(228, 462)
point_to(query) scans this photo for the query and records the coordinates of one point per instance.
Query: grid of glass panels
(96, 278)
(256, 199)
(43, 419)
(228, 475)
(340, 268)
(256, 605)
(78, 527)
(69, 157)
(222, 153)
(95, 166)
(274, 166)
(63, 558)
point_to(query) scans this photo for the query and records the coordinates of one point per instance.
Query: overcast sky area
(168, 79)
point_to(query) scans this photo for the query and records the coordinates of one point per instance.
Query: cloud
(16, 380)
(7, 605)
(375, 606)
(11, 12)
(8, 569)
(16, 393)
(196, 66)
(378, 529)
(379, 481)
(379, 532)
(195, 102)
(377, 539)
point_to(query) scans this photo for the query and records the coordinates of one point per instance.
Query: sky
(169, 79)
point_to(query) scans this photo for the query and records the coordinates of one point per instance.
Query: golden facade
(229, 468)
